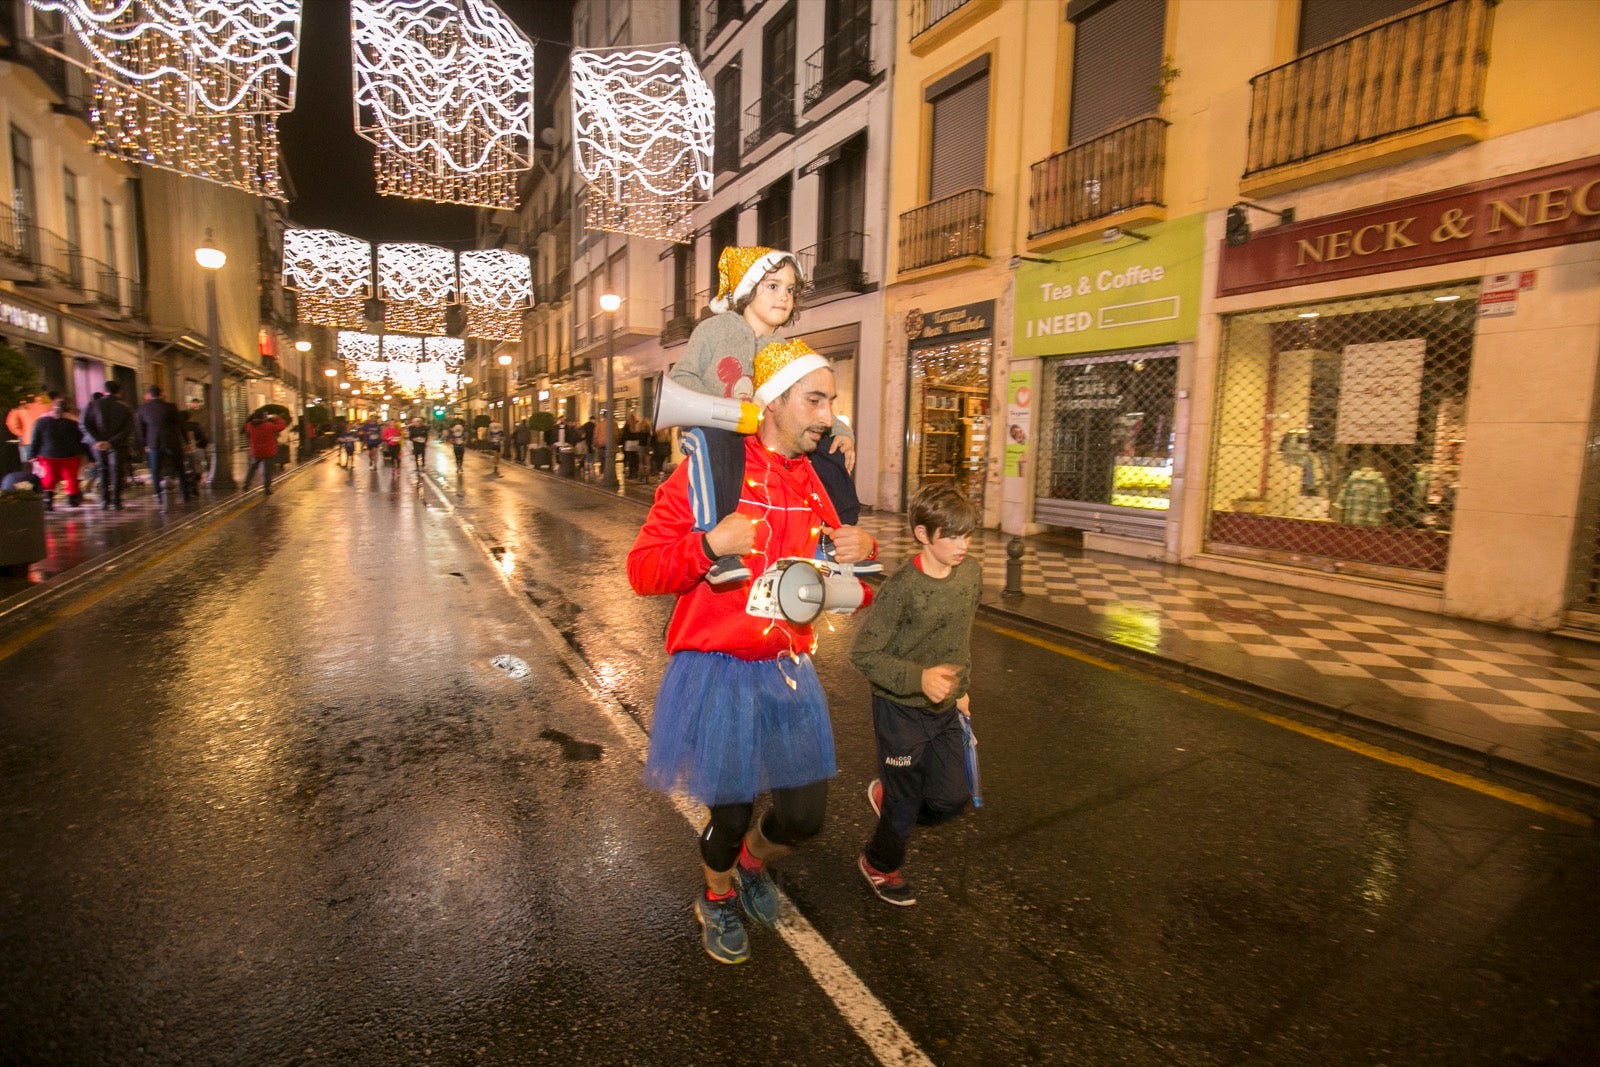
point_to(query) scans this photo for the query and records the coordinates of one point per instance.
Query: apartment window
(69, 204)
(1116, 64)
(960, 156)
(724, 233)
(689, 25)
(777, 73)
(22, 188)
(617, 275)
(108, 221)
(772, 214)
(1322, 21)
(682, 281)
(726, 149)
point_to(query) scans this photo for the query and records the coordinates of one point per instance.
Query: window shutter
(1116, 66)
(1322, 21)
(960, 137)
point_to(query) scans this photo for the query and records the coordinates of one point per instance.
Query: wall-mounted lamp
(1238, 230)
(1112, 234)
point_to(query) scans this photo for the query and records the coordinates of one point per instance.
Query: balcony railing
(843, 58)
(834, 265)
(677, 321)
(1414, 71)
(771, 115)
(1116, 171)
(945, 230)
(926, 14)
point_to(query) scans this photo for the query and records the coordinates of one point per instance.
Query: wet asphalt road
(269, 801)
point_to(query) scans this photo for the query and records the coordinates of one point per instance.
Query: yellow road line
(1349, 744)
(28, 635)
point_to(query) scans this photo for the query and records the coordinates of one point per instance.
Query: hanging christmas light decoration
(444, 89)
(450, 352)
(417, 283)
(642, 128)
(496, 288)
(332, 274)
(192, 86)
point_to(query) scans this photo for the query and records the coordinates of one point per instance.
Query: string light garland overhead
(496, 288)
(642, 128)
(332, 274)
(413, 366)
(417, 283)
(192, 86)
(444, 89)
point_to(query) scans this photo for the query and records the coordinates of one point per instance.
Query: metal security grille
(1106, 432)
(1585, 595)
(1339, 432)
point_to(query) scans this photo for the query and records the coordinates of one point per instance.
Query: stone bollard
(1013, 568)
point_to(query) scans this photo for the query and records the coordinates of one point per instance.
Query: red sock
(729, 895)
(747, 859)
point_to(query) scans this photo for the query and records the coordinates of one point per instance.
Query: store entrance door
(949, 417)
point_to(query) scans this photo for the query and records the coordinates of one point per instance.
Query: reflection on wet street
(325, 785)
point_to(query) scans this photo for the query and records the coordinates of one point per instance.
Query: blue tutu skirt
(726, 729)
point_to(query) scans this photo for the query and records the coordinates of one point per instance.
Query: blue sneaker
(722, 931)
(758, 894)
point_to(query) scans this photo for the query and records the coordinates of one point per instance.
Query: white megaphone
(799, 590)
(680, 406)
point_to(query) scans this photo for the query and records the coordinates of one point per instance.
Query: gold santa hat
(781, 364)
(740, 270)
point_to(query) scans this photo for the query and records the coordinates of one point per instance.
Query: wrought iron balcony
(945, 230)
(834, 265)
(843, 58)
(677, 321)
(1414, 71)
(766, 118)
(1114, 172)
(926, 14)
(19, 247)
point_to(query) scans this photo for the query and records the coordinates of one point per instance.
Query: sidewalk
(1523, 705)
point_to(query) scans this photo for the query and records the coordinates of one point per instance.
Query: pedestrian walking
(347, 438)
(457, 436)
(392, 435)
(631, 445)
(157, 428)
(20, 419)
(741, 711)
(521, 438)
(372, 440)
(417, 434)
(263, 429)
(758, 295)
(108, 423)
(57, 450)
(914, 646)
(496, 443)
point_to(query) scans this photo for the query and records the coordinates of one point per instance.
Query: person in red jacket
(741, 710)
(263, 430)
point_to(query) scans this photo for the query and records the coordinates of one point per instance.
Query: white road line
(860, 1009)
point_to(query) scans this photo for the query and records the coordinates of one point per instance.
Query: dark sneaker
(722, 932)
(727, 569)
(758, 894)
(875, 796)
(889, 885)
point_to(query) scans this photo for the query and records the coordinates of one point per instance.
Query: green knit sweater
(915, 622)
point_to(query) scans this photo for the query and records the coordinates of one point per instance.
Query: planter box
(21, 532)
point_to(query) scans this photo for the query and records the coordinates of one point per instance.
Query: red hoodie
(264, 436)
(669, 557)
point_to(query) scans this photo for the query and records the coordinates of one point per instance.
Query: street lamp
(213, 259)
(609, 303)
(505, 402)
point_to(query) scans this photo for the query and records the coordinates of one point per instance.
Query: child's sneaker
(889, 885)
(875, 796)
(722, 931)
(727, 569)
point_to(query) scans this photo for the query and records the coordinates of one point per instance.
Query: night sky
(330, 168)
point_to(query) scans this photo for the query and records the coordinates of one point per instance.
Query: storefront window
(1109, 424)
(950, 414)
(1340, 428)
